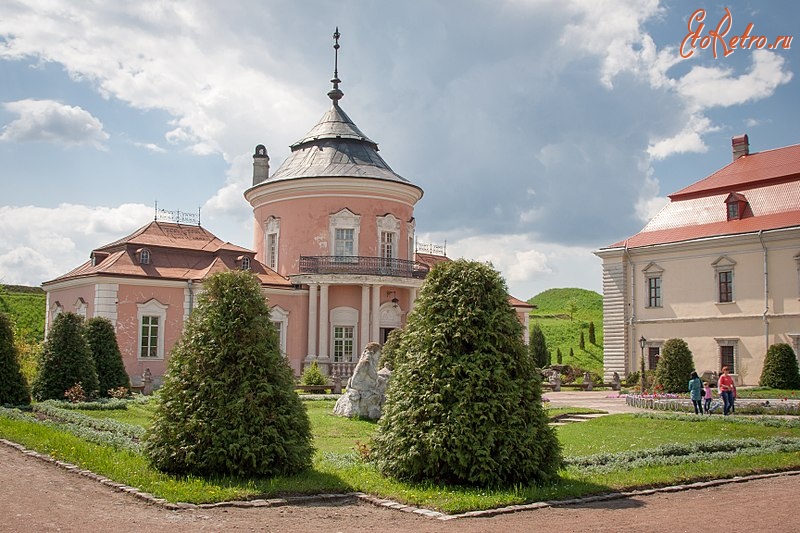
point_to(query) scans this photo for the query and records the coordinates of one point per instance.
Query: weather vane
(335, 94)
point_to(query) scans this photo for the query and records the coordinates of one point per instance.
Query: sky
(539, 130)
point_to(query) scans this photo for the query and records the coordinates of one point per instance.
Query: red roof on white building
(768, 181)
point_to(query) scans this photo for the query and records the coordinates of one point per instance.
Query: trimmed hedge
(780, 368)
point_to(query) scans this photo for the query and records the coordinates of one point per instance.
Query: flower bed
(750, 406)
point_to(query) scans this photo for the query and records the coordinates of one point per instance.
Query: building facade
(718, 267)
(334, 247)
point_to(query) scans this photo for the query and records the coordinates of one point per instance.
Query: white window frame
(280, 319)
(724, 264)
(733, 343)
(151, 308)
(653, 272)
(81, 307)
(344, 219)
(144, 256)
(344, 317)
(245, 263)
(272, 233)
(388, 227)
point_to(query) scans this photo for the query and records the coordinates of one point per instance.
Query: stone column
(412, 298)
(375, 332)
(323, 323)
(364, 318)
(312, 322)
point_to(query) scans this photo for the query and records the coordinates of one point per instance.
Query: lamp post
(642, 343)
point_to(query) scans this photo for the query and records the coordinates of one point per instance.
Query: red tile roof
(177, 252)
(748, 171)
(769, 181)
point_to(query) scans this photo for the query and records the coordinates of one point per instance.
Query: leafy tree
(228, 405)
(13, 386)
(582, 342)
(66, 360)
(538, 347)
(559, 357)
(572, 308)
(312, 375)
(464, 402)
(780, 368)
(674, 366)
(102, 339)
(592, 338)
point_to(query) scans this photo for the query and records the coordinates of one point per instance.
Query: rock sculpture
(366, 389)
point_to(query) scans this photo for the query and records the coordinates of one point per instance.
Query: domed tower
(337, 220)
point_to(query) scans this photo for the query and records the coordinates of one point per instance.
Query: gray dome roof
(335, 147)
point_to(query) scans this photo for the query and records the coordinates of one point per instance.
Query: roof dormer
(737, 206)
(143, 256)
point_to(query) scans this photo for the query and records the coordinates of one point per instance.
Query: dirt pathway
(37, 496)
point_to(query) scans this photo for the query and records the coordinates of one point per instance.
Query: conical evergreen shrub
(780, 368)
(592, 337)
(108, 363)
(13, 387)
(464, 404)
(674, 366)
(66, 360)
(228, 405)
(538, 347)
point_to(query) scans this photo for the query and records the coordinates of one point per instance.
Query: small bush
(118, 393)
(107, 358)
(312, 375)
(66, 360)
(464, 402)
(13, 385)
(538, 347)
(228, 405)
(780, 368)
(674, 366)
(75, 394)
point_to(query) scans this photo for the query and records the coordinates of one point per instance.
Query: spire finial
(336, 94)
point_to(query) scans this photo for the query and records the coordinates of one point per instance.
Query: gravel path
(38, 496)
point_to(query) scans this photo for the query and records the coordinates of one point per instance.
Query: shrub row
(672, 454)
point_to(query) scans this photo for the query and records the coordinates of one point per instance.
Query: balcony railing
(371, 266)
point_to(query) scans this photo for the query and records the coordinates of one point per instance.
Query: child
(707, 396)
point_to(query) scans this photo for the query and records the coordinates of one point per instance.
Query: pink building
(334, 248)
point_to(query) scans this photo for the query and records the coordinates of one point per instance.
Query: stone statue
(366, 389)
(147, 382)
(616, 383)
(587, 381)
(555, 381)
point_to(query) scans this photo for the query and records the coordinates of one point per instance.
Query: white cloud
(706, 87)
(38, 244)
(151, 147)
(690, 139)
(54, 122)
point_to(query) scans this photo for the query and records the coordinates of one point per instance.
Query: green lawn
(337, 467)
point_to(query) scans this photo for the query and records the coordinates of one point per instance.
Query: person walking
(696, 393)
(708, 395)
(727, 389)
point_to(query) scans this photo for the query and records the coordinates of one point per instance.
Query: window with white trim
(388, 248)
(280, 319)
(344, 242)
(728, 352)
(344, 324)
(144, 256)
(344, 230)
(723, 279)
(81, 307)
(653, 276)
(152, 316)
(272, 229)
(343, 337)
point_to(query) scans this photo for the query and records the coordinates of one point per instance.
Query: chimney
(740, 145)
(260, 165)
